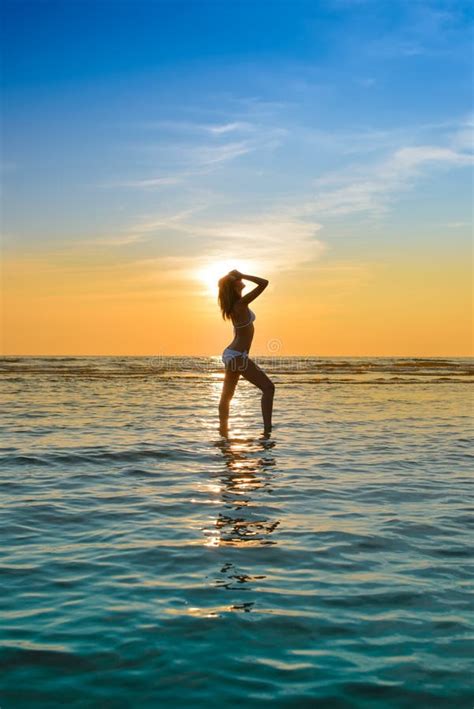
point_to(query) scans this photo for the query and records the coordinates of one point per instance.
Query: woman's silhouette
(236, 359)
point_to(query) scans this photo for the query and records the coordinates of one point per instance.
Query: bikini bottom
(229, 354)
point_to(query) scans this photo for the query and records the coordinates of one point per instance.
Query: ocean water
(146, 561)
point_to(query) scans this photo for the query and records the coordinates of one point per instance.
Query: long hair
(227, 296)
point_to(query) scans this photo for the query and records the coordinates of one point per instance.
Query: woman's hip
(230, 356)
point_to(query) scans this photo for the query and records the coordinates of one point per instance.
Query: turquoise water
(145, 560)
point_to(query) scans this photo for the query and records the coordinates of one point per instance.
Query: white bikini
(229, 354)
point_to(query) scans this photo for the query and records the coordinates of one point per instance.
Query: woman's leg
(254, 374)
(231, 378)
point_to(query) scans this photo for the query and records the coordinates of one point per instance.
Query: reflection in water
(249, 469)
(232, 578)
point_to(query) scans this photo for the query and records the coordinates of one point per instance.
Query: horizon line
(466, 356)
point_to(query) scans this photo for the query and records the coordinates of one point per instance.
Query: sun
(210, 274)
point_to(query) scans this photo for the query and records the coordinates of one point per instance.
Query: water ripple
(147, 561)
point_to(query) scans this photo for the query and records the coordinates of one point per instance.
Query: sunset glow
(323, 146)
(211, 274)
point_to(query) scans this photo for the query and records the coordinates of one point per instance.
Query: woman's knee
(268, 387)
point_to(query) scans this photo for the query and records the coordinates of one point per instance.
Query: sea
(146, 561)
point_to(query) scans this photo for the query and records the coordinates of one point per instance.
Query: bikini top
(252, 318)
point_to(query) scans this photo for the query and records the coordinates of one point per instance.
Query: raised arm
(262, 283)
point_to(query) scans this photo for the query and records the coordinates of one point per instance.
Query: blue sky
(176, 129)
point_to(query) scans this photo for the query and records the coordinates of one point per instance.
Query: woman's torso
(243, 330)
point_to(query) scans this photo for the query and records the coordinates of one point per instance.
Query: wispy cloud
(214, 154)
(189, 161)
(202, 149)
(274, 240)
(395, 47)
(114, 240)
(427, 29)
(204, 158)
(463, 138)
(271, 243)
(230, 127)
(196, 127)
(152, 182)
(372, 188)
(147, 228)
(174, 220)
(286, 235)
(458, 225)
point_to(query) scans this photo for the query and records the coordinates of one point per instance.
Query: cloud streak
(153, 182)
(286, 236)
(203, 148)
(373, 188)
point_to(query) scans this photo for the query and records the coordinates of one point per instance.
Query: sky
(149, 146)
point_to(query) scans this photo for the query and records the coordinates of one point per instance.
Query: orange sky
(139, 154)
(79, 303)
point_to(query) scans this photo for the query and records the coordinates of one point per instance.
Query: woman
(234, 307)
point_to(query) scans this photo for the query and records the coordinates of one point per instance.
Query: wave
(373, 370)
(98, 454)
